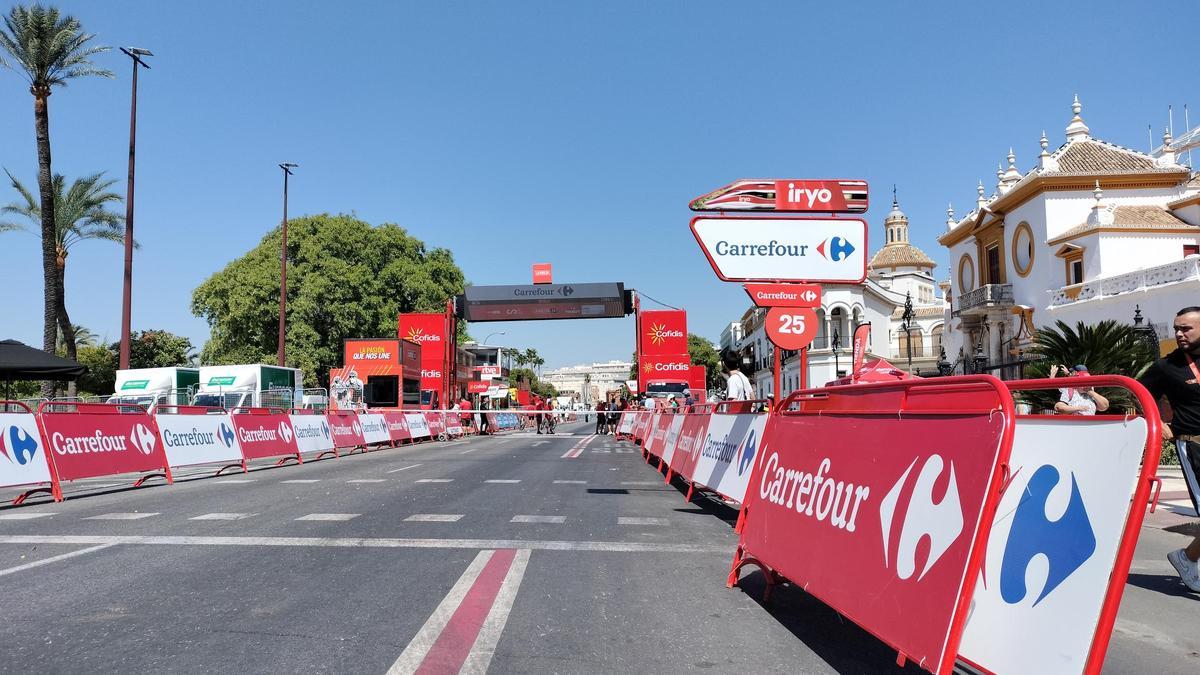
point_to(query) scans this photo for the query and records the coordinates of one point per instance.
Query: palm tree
(50, 49)
(80, 214)
(84, 337)
(1106, 348)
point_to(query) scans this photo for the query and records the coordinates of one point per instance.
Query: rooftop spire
(980, 200)
(1077, 130)
(950, 222)
(1101, 214)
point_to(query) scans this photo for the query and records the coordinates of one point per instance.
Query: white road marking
(368, 480)
(480, 656)
(468, 450)
(630, 520)
(224, 516)
(557, 520)
(404, 468)
(299, 481)
(233, 481)
(601, 452)
(570, 482)
(435, 480)
(505, 481)
(412, 656)
(20, 515)
(329, 516)
(363, 542)
(434, 518)
(56, 558)
(537, 443)
(122, 516)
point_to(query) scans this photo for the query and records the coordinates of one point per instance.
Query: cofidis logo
(419, 336)
(659, 333)
(18, 446)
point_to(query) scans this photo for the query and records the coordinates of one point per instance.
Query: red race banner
(791, 327)
(345, 428)
(264, 434)
(477, 387)
(784, 295)
(372, 352)
(397, 425)
(675, 367)
(102, 440)
(886, 504)
(861, 334)
(437, 423)
(663, 332)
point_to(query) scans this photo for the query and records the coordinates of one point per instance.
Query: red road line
(450, 649)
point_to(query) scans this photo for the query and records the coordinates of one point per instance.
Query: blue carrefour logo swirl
(746, 456)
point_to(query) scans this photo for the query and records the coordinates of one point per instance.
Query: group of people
(608, 414)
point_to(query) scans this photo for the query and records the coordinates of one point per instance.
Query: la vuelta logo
(419, 336)
(941, 522)
(658, 333)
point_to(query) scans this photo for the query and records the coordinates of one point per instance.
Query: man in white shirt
(738, 387)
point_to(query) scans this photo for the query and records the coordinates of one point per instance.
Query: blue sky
(566, 132)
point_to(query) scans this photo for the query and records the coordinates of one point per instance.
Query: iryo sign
(828, 196)
(832, 250)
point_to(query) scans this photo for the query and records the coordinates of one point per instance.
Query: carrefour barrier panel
(417, 426)
(1054, 544)
(397, 425)
(374, 428)
(347, 432)
(198, 439)
(672, 437)
(727, 453)
(265, 435)
(436, 422)
(312, 433)
(625, 426)
(691, 439)
(877, 499)
(88, 444)
(454, 424)
(656, 434)
(22, 451)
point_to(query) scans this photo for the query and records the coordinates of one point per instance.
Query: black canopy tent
(19, 361)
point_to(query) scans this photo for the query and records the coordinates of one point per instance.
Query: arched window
(936, 340)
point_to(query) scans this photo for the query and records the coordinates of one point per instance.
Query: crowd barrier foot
(284, 460)
(325, 453)
(240, 465)
(741, 560)
(143, 479)
(741, 521)
(691, 490)
(670, 472)
(28, 493)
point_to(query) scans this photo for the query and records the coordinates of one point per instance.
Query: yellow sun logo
(649, 368)
(655, 333)
(414, 334)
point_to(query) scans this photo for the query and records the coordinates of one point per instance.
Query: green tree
(536, 384)
(101, 376)
(702, 352)
(1106, 348)
(80, 214)
(50, 50)
(345, 279)
(158, 349)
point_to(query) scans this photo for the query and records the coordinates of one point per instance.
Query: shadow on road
(1167, 584)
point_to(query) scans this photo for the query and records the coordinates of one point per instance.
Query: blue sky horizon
(569, 133)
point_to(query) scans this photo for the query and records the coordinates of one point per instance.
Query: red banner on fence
(101, 440)
(264, 433)
(347, 433)
(886, 504)
(397, 425)
(436, 422)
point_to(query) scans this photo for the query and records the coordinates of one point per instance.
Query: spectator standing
(1074, 401)
(738, 387)
(601, 418)
(1177, 379)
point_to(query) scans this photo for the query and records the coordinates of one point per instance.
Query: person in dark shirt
(1177, 379)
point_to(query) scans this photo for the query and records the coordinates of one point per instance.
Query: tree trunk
(41, 116)
(64, 324)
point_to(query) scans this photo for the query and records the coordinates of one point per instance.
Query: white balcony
(1179, 271)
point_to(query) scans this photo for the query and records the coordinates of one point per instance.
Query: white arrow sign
(821, 250)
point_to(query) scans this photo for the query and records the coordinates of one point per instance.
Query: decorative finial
(950, 222)
(1012, 158)
(895, 204)
(1099, 194)
(1167, 137)
(1075, 107)
(980, 200)
(1045, 143)
(1077, 130)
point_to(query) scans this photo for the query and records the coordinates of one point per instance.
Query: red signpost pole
(776, 390)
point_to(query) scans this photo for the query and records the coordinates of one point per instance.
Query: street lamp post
(490, 335)
(127, 293)
(837, 344)
(907, 318)
(287, 171)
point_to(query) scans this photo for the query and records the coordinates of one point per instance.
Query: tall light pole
(287, 171)
(489, 337)
(127, 293)
(907, 318)
(836, 345)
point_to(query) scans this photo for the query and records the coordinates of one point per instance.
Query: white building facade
(1094, 231)
(589, 383)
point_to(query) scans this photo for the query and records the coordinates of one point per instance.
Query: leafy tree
(80, 214)
(158, 349)
(101, 376)
(345, 279)
(702, 352)
(84, 337)
(536, 384)
(1106, 348)
(50, 50)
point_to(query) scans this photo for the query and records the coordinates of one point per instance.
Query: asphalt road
(491, 554)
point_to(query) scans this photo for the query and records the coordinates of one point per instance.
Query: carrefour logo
(225, 435)
(940, 523)
(419, 335)
(18, 446)
(285, 430)
(357, 428)
(143, 439)
(835, 249)
(746, 455)
(658, 333)
(1066, 543)
(325, 429)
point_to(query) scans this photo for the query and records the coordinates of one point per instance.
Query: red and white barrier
(724, 456)
(849, 486)
(437, 424)
(264, 433)
(313, 434)
(418, 427)
(198, 435)
(347, 432)
(98, 439)
(374, 429)
(397, 425)
(23, 452)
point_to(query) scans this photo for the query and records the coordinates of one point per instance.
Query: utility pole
(127, 291)
(287, 171)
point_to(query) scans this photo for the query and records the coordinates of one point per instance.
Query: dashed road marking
(25, 516)
(632, 520)
(504, 481)
(556, 520)
(367, 480)
(55, 558)
(122, 516)
(302, 481)
(224, 516)
(435, 480)
(329, 516)
(236, 481)
(434, 518)
(404, 468)
(570, 482)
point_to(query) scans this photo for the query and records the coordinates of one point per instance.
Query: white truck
(147, 386)
(253, 385)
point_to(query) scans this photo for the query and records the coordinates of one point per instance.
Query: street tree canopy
(346, 279)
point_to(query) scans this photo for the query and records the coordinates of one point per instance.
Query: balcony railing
(988, 295)
(1161, 275)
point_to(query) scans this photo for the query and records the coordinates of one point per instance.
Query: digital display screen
(543, 301)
